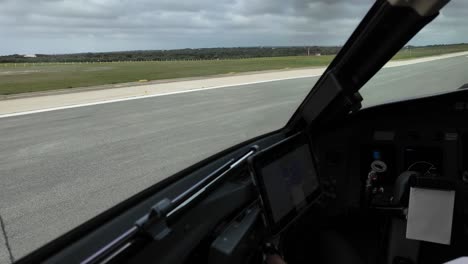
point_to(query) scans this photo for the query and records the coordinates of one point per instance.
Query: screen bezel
(268, 156)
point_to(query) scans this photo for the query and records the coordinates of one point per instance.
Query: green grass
(24, 78)
(429, 51)
(33, 78)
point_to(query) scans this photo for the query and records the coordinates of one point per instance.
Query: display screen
(288, 181)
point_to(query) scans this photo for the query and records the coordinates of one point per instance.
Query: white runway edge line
(388, 65)
(152, 95)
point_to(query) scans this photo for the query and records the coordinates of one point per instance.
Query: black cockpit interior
(423, 141)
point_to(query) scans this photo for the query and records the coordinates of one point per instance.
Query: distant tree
(192, 54)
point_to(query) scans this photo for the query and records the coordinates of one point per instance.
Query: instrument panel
(428, 135)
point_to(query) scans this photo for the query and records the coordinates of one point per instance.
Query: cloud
(62, 26)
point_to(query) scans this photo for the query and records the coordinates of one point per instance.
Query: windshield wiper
(156, 224)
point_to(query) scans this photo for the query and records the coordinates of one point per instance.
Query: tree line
(177, 54)
(195, 54)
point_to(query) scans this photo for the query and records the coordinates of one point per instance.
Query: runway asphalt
(60, 168)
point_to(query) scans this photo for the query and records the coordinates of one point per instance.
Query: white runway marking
(149, 96)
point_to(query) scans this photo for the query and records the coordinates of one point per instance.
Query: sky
(71, 26)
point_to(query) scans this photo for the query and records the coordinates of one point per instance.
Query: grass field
(429, 51)
(22, 78)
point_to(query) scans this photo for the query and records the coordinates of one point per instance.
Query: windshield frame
(337, 89)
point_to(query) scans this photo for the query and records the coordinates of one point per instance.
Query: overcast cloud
(66, 26)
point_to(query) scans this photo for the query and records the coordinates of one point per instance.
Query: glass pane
(434, 61)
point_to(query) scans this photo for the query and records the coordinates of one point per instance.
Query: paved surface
(63, 167)
(92, 97)
(64, 99)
